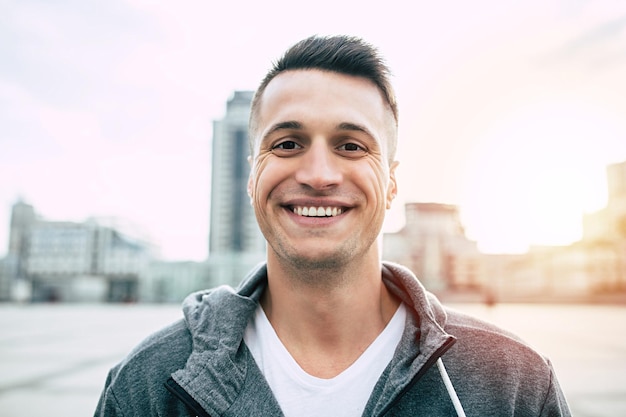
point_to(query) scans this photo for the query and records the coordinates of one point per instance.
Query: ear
(392, 187)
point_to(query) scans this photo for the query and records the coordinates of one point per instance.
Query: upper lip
(315, 202)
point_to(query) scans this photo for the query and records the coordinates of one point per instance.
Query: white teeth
(317, 211)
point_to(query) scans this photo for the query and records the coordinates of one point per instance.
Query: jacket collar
(423, 342)
(220, 368)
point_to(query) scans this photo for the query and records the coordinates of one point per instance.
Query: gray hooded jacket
(200, 366)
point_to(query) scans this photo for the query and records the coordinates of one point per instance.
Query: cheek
(264, 179)
(259, 200)
(259, 194)
(380, 182)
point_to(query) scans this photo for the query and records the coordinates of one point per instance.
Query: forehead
(315, 97)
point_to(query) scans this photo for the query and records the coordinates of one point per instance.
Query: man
(324, 328)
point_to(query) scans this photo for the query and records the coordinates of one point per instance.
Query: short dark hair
(341, 54)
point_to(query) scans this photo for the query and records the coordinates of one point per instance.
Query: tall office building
(235, 241)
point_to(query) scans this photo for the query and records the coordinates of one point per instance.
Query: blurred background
(123, 173)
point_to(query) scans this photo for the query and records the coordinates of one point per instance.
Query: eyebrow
(354, 127)
(288, 125)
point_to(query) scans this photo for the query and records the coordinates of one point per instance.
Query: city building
(95, 260)
(22, 217)
(6, 277)
(604, 236)
(235, 241)
(434, 246)
(13, 281)
(592, 269)
(609, 223)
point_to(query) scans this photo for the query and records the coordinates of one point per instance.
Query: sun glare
(534, 174)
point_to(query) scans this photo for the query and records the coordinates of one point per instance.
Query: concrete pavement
(54, 358)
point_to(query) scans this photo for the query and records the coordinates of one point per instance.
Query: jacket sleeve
(108, 405)
(555, 404)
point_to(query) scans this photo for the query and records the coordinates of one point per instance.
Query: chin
(322, 261)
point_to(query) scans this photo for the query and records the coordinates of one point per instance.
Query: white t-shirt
(300, 394)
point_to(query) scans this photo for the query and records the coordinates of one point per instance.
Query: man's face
(321, 181)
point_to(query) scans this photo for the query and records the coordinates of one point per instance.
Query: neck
(327, 318)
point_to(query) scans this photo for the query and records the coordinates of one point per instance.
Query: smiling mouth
(316, 211)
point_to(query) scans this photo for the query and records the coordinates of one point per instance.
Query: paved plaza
(54, 358)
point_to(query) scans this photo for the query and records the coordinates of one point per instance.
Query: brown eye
(351, 147)
(286, 145)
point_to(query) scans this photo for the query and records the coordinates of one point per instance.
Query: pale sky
(510, 110)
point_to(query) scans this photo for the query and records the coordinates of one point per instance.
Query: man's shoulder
(158, 355)
(488, 359)
(212, 319)
(137, 382)
(460, 322)
(486, 344)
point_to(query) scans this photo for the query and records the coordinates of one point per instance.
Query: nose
(319, 167)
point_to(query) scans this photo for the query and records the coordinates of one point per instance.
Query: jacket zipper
(178, 391)
(429, 363)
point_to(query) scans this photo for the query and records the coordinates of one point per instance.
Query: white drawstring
(451, 392)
